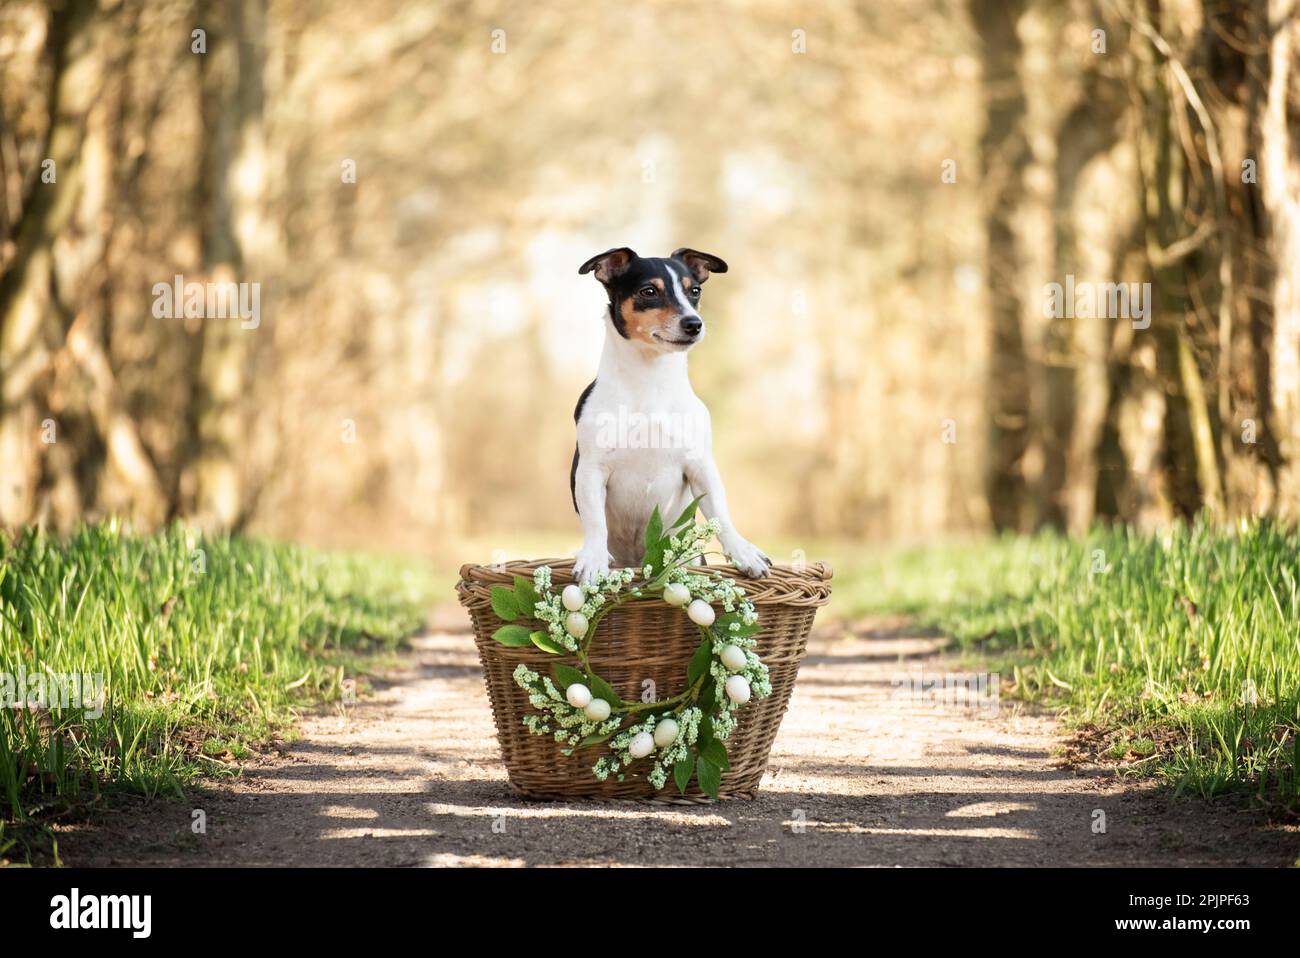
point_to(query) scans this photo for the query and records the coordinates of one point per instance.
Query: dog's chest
(641, 432)
(645, 440)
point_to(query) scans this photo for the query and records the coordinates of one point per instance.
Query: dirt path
(860, 775)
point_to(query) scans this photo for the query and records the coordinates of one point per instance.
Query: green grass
(1181, 651)
(1182, 648)
(205, 646)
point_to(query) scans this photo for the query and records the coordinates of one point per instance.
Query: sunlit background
(414, 185)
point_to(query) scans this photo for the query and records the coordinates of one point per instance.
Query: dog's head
(655, 301)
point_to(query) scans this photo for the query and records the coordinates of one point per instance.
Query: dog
(644, 437)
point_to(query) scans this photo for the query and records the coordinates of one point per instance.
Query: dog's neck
(639, 366)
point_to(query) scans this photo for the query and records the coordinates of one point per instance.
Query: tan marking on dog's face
(642, 323)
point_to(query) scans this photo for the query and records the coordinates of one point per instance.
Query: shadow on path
(864, 772)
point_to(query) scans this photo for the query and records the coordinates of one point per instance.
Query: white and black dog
(644, 437)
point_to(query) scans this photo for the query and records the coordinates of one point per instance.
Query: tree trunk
(1189, 455)
(234, 165)
(28, 332)
(1005, 156)
(1279, 174)
(1088, 131)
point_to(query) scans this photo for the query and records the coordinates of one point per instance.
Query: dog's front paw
(747, 557)
(590, 565)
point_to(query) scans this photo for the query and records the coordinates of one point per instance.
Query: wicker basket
(642, 639)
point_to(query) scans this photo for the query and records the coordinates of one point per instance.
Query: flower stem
(650, 706)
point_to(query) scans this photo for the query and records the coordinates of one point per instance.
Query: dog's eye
(647, 292)
(695, 292)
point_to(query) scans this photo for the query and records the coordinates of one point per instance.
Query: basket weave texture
(643, 639)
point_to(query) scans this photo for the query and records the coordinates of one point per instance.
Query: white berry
(666, 733)
(676, 594)
(738, 689)
(733, 657)
(597, 710)
(579, 695)
(701, 613)
(641, 745)
(572, 598)
(576, 624)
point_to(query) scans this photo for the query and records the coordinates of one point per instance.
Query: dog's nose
(691, 325)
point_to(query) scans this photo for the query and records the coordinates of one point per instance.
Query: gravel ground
(863, 773)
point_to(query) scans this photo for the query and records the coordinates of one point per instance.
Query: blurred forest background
(414, 185)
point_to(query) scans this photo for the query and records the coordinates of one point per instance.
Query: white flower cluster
(686, 546)
(667, 736)
(560, 620)
(678, 749)
(718, 590)
(738, 673)
(621, 756)
(569, 725)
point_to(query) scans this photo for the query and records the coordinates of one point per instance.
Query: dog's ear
(610, 264)
(700, 264)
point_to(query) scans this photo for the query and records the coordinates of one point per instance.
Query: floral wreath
(685, 734)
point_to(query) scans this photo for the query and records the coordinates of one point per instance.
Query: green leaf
(513, 636)
(682, 772)
(725, 621)
(545, 643)
(654, 558)
(705, 735)
(566, 675)
(710, 776)
(716, 753)
(687, 514)
(655, 544)
(654, 530)
(699, 664)
(603, 690)
(504, 603)
(708, 698)
(525, 596)
(595, 738)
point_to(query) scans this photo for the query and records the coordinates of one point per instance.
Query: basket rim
(807, 585)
